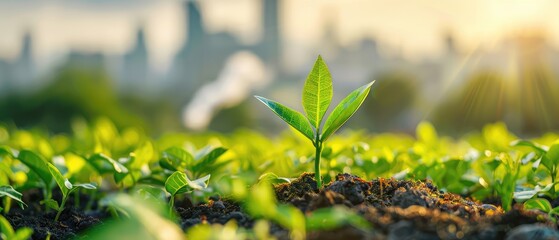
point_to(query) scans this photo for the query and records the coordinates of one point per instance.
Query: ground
(396, 209)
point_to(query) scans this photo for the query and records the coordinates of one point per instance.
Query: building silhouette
(17, 76)
(136, 74)
(203, 54)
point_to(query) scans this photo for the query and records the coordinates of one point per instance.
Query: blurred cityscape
(213, 75)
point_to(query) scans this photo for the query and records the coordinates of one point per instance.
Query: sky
(415, 27)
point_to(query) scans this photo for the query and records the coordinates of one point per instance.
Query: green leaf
(206, 162)
(551, 158)
(60, 180)
(427, 133)
(273, 178)
(554, 212)
(5, 150)
(317, 92)
(290, 116)
(6, 227)
(23, 233)
(13, 194)
(175, 159)
(146, 221)
(178, 182)
(51, 203)
(36, 164)
(530, 144)
(142, 155)
(104, 164)
(524, 195)
(330, 218)
(539, 204)
(345, 110)
(261, 201)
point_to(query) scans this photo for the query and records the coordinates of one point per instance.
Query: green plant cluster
(138, 178)
(116, 167)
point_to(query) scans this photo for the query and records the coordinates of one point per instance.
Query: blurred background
(177, 65)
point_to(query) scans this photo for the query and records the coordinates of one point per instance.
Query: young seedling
(178, 183)
(65, 187)
(317, 95)
(202, 163)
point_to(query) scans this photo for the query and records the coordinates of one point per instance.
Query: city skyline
(210, 61)
(303, 26)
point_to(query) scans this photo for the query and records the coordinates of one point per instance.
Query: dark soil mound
(400, 209)
(69, 225)
(396, 209)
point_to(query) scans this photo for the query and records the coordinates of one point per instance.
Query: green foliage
(542, 205)
(337, 216)
(37, 165)
(178, 183)
(145, 221)
(9, 191)
(345, 109)
(66, 187)
(176, 159)
(261, 203)
(104, 164)
(317, 95)
(290, 116)
(492, 163)
(7, 231)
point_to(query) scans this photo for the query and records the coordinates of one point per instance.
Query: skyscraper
(136, 71)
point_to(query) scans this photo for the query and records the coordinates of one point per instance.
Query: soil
(396, 209)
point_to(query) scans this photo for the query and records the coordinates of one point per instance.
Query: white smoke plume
(243, 72)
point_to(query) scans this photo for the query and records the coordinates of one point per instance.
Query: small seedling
(317, 95)
(65, 187)
(178, 183)
(543, 205)
(202, 163)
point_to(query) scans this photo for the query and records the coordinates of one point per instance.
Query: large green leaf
(66, 187)
(175, 159)
(539, 204)
(6, 227)
(36, 164)
(9, 191)
(345, 110)
(104, 164)
(525, 143)
(551, 158)
(178, 182)
(5, 150)
(206, 163)
(146, 221)
(60, 180)
(317, 92)
(290, 116)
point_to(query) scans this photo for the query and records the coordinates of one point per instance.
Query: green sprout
(65, 187)
(317, 95)
(178, 183)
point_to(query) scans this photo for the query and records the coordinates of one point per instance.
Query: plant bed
(415, 209)
(394, 209)
(104, 184)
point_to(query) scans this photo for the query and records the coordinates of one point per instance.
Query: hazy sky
(416, 27)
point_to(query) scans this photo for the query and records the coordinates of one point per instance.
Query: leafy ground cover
(104, 183)
(485, 185)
